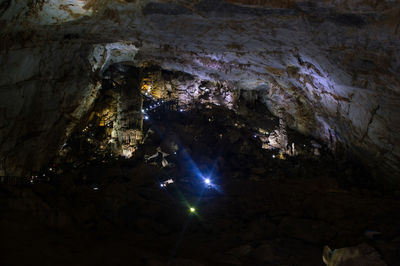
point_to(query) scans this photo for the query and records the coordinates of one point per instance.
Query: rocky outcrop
(42, 97)
(328, 68)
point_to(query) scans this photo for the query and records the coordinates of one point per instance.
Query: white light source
(146, 117)
(95, 188)
(273, 156)
(207, 181)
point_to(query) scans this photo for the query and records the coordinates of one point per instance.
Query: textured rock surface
(258, 210)
(328, 68)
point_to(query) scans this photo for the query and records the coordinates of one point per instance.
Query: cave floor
(258, 210)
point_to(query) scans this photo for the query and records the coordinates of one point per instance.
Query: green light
(192, 210)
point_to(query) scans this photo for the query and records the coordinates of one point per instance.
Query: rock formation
(329, 69)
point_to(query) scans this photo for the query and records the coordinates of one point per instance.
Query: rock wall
(41, 97)
(130, 121)
(328, 68)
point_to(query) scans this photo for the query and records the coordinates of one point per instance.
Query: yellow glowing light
(145, 87)
(192, 210)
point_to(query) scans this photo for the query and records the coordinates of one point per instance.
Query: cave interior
(199, 133)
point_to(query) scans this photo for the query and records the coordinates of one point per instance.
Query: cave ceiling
(328, 68)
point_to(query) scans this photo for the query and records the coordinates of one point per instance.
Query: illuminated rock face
(328, 68)
(130, 121)
(187, 89)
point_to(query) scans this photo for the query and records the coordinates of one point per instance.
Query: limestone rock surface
(329, 69)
